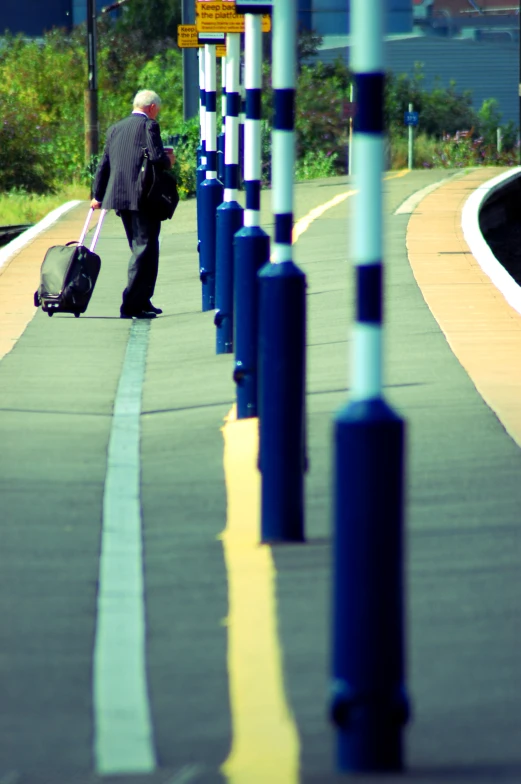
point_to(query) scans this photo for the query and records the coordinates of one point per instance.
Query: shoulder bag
(157, 189)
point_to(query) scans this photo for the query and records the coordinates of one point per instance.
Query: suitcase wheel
(50, 313)
(76, 314)
(36, 299)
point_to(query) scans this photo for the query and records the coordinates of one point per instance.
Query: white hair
(146, 98)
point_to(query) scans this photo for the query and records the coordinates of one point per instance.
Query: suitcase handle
(86, 228)
(98, 228)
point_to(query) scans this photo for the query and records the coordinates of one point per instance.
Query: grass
(17, 207)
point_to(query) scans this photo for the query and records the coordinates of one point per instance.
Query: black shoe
(140, 314)
(151, 307)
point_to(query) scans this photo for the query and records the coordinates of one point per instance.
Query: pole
(211, 189)
(190, 98)
(282, 316)
(369, 706)
(230, 213)
(200, 173)
(251, 243)
(91, 93)
(221, 136)
(411, 136)
(350, 160)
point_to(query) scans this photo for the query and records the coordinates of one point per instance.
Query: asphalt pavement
(58, 388)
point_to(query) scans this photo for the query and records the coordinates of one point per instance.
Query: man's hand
(95, 204)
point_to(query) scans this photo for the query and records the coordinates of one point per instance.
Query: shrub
(185, 136)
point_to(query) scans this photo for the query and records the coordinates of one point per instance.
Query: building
(332, 17)
(34, 17)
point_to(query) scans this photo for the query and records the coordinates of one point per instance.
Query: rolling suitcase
(69, 273)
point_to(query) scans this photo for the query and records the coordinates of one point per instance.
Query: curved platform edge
(464, 286)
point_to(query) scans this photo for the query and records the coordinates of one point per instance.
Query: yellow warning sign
(220, 50)
(221, 17)
(187, 37)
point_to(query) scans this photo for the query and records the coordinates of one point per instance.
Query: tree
(153, 22)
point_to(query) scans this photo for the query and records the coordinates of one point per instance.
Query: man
(115, 188)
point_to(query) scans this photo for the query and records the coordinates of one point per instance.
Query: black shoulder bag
(157, 189)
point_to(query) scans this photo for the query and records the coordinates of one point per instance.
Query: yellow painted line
(396, 175)
(265, 746)
(304, 223)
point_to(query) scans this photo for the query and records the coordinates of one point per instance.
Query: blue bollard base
(229, 219)
(371, 748)
(251, 252)
(282, 437)
(210, 197)
(370, 704)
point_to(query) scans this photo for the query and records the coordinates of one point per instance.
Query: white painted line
(16, 245)
(123, 734)
(409, 205)
(476, 242)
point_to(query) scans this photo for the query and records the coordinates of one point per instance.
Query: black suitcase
(69, 273)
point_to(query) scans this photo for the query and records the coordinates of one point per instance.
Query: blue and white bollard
(282, 317)
(220, 138)
(230, 213)
(242, 121)
(251, 243)
(200, 173)
(369, 700)
(211, 189)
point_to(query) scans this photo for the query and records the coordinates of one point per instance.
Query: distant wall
(332, 17)
(34, 17)
(488, 69)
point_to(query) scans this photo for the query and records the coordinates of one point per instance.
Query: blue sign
(411, 118)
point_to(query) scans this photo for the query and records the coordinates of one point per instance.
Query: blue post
(230, 213)
(251, 252)
(282, 317)
(200, 173)
(251, 244)
(211, 189)
(369, 704)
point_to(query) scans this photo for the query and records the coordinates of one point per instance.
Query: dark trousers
(143, 238)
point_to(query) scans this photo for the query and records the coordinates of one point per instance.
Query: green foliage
(17, 207)
(450, 152)
(164, 74)
(442, 111)
(153, 23)
(489, 120)
(315, 164)
(185, 136)
(42, 126)
(320, 122)
(41, 138)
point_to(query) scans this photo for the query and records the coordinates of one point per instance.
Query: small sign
(220, 50)
(254, 6)
(187, 37)
(411, 118)
(222, 17)
(212, 38)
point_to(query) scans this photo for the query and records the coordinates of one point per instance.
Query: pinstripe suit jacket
(115, 183)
